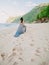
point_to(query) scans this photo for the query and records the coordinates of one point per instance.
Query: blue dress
(21, 30)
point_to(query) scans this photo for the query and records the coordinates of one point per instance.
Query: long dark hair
(21, 19)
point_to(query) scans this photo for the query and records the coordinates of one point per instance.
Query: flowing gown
(21, 30)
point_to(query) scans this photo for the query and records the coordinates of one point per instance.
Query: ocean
(7, 25)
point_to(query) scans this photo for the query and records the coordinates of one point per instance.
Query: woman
(21, 28)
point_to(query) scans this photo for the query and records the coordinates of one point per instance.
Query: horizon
(12, 8)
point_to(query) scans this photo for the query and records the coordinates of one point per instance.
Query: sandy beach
(30, 48)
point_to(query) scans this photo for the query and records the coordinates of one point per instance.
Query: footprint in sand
(20, 53)
(3, 55)
(46, 39)
(32, 40)
(10, 57)
(44, 63)
(37, 54)
(14, 49)
(38, 50)
(17, 50)
(31, 44)
(15, 63)
(20, 59)
(13, 54)
(32, 60)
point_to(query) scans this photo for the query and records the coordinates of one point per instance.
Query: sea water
(7, 25)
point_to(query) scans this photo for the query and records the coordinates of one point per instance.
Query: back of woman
(21, 28)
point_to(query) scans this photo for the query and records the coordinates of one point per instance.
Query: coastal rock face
(30, 48)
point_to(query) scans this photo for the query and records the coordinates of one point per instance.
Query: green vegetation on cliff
(36, 13)
(44, 13)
